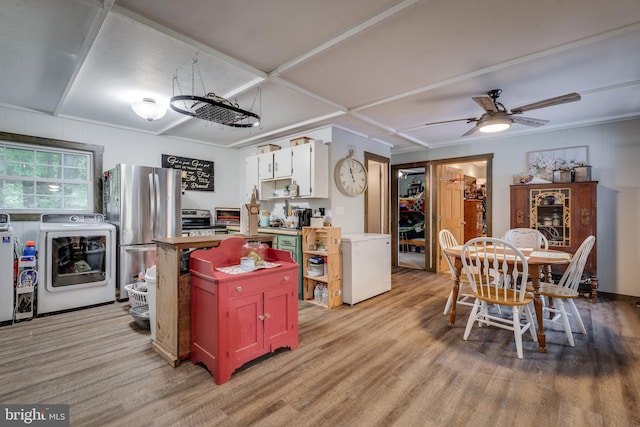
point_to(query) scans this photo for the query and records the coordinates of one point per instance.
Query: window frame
(96, 152)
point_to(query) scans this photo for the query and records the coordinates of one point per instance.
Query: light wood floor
(391, 360)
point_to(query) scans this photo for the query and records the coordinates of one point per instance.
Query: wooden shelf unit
(324, 242)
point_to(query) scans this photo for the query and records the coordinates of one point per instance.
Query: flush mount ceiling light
(211, 107)
(494, 122)
(148, 109)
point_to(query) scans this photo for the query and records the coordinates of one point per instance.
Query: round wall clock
(350, 175)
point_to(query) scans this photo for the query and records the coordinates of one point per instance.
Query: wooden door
(450, 205)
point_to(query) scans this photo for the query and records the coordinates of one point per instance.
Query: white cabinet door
(251, 176)
(302, 169)
(265, 166)
(311, 169)
(282, 163)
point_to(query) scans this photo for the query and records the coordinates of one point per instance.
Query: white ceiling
(380, 68)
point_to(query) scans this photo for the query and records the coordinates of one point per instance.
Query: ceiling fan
(497, 118)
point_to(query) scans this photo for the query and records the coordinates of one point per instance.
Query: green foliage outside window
(42, 179)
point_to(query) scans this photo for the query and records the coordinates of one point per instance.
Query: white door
(451, 205)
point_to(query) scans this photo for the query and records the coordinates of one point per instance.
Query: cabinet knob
(261, 317)
(239, 289)
(267, 315)
(286, 277)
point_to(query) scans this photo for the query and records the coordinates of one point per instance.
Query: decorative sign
(197, 175)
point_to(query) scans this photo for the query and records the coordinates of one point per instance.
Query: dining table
(537, 259)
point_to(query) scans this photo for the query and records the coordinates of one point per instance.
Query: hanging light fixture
(211, 107)
(148, 109)
(494, 122)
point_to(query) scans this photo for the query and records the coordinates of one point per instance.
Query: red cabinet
(236, 318)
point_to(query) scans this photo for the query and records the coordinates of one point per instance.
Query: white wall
(614, 154)
(347, 212)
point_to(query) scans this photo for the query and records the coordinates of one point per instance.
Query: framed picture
(542, 163)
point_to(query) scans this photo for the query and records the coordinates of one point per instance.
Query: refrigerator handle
(153, 206)
(157, 224)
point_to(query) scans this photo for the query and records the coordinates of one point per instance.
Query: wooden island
(173, 293)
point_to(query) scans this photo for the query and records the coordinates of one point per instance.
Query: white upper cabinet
(275, 164)
(306, 165)
(282, 163)
(265, 166)
(311, 169)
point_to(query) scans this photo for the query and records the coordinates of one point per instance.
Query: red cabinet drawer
(257, 284)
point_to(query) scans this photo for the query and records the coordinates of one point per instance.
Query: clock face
(351, 176)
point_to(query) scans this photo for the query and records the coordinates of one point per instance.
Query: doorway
(411, 218)
(376, 197)
(446, 187)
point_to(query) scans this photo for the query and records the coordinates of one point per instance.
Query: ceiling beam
(87, 43)
(344, 36)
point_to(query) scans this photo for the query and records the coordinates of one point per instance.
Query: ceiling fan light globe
(494, 123)
(494, 127)
(148, 109)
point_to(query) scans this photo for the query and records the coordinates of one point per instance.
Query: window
(40, 175)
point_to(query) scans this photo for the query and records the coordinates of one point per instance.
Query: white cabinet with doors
(306, 165)
(275, 164)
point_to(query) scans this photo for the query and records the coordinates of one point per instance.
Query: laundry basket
(140, 316)
(138, 293)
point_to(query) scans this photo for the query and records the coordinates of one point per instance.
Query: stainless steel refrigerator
(144, 203)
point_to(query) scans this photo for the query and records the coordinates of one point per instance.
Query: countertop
(271, 230)
(204, 241)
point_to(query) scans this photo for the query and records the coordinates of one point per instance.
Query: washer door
(76, 259)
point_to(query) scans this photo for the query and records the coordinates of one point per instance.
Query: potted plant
(286, 190)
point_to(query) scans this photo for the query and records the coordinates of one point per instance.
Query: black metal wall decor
(197, 175)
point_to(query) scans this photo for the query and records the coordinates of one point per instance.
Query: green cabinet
(292, 244)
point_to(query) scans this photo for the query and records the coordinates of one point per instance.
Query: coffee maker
(304, 217)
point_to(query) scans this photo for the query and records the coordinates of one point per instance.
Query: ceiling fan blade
(529, 121)
(473, 119)
(486, 103)
(469, 132)
(563, 99)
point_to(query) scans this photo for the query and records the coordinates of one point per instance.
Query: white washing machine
(76, 262)
(7, 245)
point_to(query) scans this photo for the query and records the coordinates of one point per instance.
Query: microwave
(226, 216)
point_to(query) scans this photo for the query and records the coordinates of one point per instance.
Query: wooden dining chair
(529, 238)
(526, 238)
(567, 291)
(509, 265)
(448, 240)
